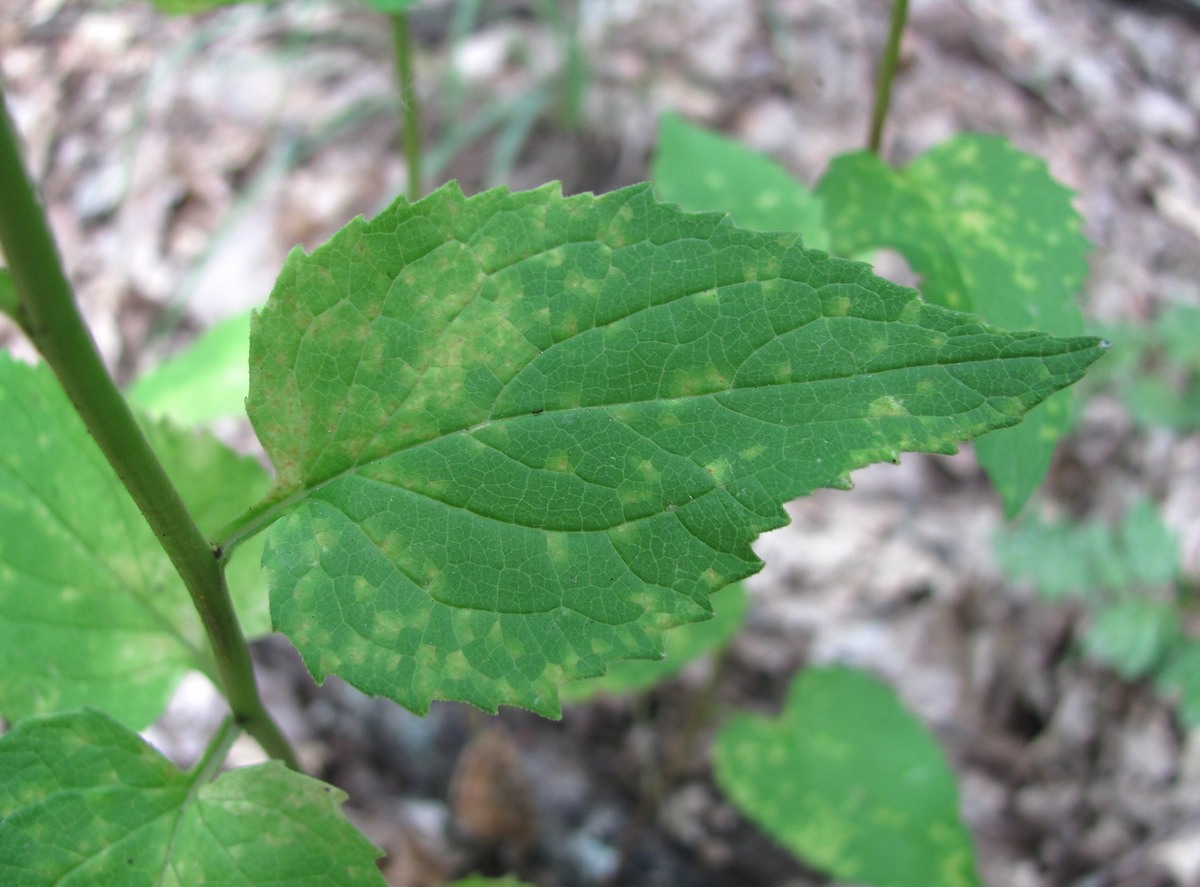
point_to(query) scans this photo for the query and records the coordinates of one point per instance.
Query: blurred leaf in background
(703, 171)
(1156, 370)
(851, 782)
(208, 380)
(1128, 576)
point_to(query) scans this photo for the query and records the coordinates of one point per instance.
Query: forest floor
(183, 157)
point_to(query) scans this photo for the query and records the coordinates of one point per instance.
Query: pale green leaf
(990, 231)
(1059, 558)
(1154, 401)
(1088, 558)
(184, 7)
(1149, 546)
(851, 782)
(1178, 328)
(391, 7)
(206, 381)
(519, 435)
(84, 802)
(1157, 373)
(703, 171)
(1180, 679)
(1133, 637)
(682, 645)
(91, 610)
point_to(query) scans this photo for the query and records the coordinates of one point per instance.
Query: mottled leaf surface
(84, 801)
(706, 172)
(519, 435)
(682, 645)
(990, 231)
(851, 782)
(91, 610)
(208, 380)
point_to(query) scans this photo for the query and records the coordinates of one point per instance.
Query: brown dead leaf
(490, 795)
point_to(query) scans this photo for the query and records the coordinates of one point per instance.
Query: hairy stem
(887, 72)
(47, 312)
(409, 106)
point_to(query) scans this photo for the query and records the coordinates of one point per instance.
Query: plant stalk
(215, 753)
(47, 313)
(564, 18)
(887, 72)
(409, 106)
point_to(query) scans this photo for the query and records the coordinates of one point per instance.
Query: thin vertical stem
(887, 72)
(47, 312)
(564, 18)
(409, 106)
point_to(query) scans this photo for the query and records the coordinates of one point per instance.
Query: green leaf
(706, 172)
(391, 7)
(186, 7)
(83, 801)
(91, 610)
(1057, 558)
(1085, 558)
(1159, 378)
(1156, 368)
(1150, 548)
(207, 381)
(682, 645)
(519, 435)
(1178, 328)
(848, 780)
(1155, 402)
(990, 231)
(10, 304)
(1133, 637)
(1180, 678)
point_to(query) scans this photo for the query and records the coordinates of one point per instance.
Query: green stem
(564, 19)
(409, 106)
(887, 72)
(47, 312)
(254, 520)
(215, 753)
(700, 712)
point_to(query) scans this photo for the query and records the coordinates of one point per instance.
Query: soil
(182, 157)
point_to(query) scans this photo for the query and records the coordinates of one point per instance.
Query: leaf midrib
(277, 508)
